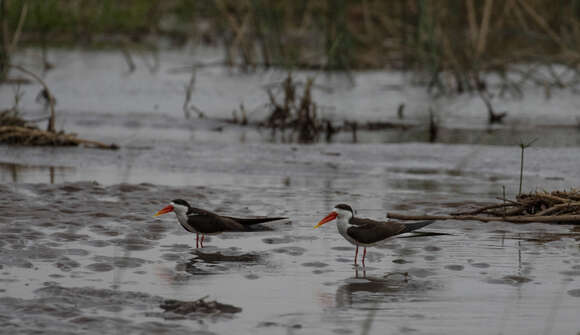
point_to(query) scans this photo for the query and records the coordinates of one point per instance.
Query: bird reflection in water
(363, 289)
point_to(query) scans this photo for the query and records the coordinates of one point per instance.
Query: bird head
(178, 206)
(340, 211)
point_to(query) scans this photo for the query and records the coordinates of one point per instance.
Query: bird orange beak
(326, 219)
(165, 210)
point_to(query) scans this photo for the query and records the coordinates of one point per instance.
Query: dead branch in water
(554, 207)
(33, 136)
(482, 209)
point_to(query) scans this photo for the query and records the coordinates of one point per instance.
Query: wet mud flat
(86, 257)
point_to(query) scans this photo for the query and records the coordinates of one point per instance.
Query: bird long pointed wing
(371, 231)
(409, 227)
(253, 221)
(208, 222)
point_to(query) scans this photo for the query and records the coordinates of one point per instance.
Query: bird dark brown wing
(371, 231)
(208, 223)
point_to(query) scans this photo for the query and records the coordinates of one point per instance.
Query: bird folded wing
(373, 231)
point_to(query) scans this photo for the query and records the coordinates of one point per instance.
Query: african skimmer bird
(200, 221)
(366, 232)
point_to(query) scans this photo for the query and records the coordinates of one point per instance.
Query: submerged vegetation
(296, 113)
(295, 116)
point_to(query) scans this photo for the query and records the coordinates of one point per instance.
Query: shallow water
(81, 253)
(109, 264)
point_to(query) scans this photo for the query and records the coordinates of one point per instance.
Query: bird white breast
(182, 218)
(181, 214)
(342, 225)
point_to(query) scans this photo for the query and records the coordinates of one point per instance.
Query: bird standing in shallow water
(196, 220)
(366, 232)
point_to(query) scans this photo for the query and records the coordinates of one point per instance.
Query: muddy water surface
(87, 256)
(81, 253)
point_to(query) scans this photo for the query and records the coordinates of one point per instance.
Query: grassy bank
(452, 42)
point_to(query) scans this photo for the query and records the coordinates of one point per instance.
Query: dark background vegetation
(458, 38)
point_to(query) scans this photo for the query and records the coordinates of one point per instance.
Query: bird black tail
(253, 221)
(409, 227)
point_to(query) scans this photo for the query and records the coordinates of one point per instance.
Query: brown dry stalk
(238, 28)
(557, 207)
(551, 197)
(473, 29)
(521, 19)
(16, 36)
(483, 209)
(515, 211)
(241, 32)
(306, 20)
(366, 17)
(508, 6)
(573, 194)
(482, 36)
(448, 50)
(542, 23)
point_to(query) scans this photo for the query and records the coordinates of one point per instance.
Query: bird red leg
(364, 255)
(196, 240)
(202, 238)
(355, 254)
